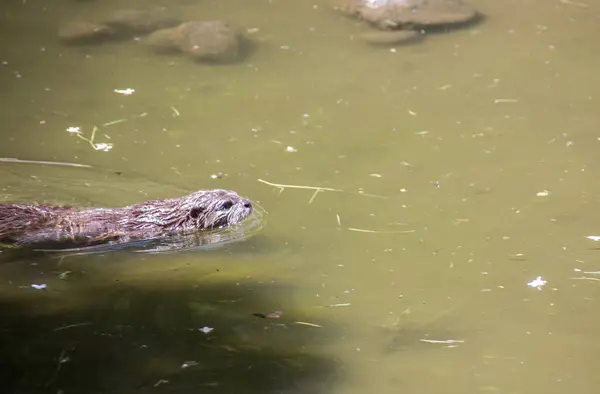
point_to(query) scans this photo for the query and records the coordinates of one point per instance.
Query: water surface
(475, 152)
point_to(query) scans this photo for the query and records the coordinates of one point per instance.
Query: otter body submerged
(34, 224)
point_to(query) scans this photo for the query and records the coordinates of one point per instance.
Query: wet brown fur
(30, 224)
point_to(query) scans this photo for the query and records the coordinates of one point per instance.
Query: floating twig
(96, 146)
(282, 186)
(317, 189)
(372, 195)
(62, 358)
(72, 326)
(361, 230)
(447, 341)
(308, 324)
(575, 3)
(52, 163)
(114, 122)
(505, 100)
(160, 381)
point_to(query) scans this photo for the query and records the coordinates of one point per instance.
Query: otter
(37, 224)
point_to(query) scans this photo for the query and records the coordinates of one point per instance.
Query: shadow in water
(160, 336)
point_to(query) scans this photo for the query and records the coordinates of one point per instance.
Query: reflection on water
(464, 167)
(139, 337)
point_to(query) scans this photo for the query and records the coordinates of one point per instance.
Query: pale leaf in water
(537, 283)
(188, 364)
(126, 92)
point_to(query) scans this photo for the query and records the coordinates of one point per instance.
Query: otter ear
(195, 212)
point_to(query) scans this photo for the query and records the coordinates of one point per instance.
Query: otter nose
(247, 203)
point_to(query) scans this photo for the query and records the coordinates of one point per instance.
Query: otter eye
(227, 204)
(195, 212)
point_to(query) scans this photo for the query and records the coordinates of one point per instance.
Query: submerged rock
(399, 14)
(120, 24)
(395, 37)
(213, 41)
(82, 32)
(391, 16)
(130, 22)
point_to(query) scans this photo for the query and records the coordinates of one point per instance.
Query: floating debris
(126, 92)
(446, 341)
(52, 163)
(160, 381)
(594, 237)
(575, 3)
(73, 129)
(103, 146)
(271, 315)
(64, 275)
(188, 364)
(114, 122)
(543, 193)
(586, 278)
(39, 287)
(537, 283)
(205, 329)
(96, 146)
(72, 326)
(308, 324)
(362, 230)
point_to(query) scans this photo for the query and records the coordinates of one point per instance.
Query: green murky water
(483, 144)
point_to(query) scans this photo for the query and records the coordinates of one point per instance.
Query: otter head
(211, 209)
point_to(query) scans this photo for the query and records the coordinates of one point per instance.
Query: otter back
(22, 224)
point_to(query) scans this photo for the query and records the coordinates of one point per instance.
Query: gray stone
(394, 37)
(128, 22)
(213, 41)
(409, 14)
(83, 32)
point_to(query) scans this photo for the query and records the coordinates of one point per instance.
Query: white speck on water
(537, 283)
(126, 92)
(103, 146)
(73, 129)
